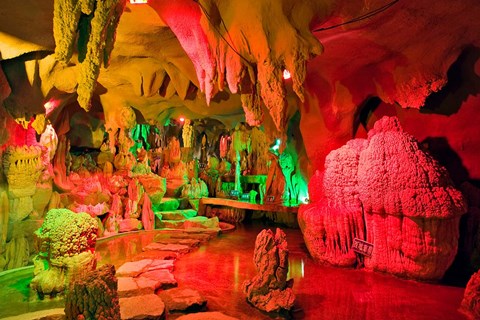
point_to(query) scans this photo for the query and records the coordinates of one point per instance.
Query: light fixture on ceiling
(275, 146)
(50, 105)
(286, 74)
(138, 1)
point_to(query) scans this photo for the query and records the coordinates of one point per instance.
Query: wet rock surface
(148, 306)
(182, 299)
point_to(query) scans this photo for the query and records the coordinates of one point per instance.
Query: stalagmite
(401, 196)
(269, 290)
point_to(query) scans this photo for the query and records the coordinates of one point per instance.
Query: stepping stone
(206, 316)
(179, 248)
(182, 299)
(156, 255)
(178, 214)
(148, 306)
(129, 287)
(201, 236)
(226, 227)
(163, 278)
(172, 224)
(133, 269)
(186, 242)
(192, 231)
(202, 222)
(161, 264)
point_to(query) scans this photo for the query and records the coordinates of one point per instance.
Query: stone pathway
(147, 286)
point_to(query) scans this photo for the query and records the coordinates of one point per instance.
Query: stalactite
(97, 33)
(188, 134)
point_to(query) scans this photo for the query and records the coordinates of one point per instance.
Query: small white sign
(362, 247)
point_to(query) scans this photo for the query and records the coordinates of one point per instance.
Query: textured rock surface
(94, 296)
(163, 278)
(179, 248)
(471, 299)
(182, 299)
(145, 276)
(65, 244)
(22, 167)
(133, 269)
(269, 290)
(131, 287)
(66, 233)
(411, 209)
(148, 306)
(329, 231)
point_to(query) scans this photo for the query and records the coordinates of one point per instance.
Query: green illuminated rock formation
(66, 244)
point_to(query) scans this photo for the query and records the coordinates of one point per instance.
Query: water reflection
(218, 269)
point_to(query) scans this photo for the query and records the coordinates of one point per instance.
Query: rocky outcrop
(94, 296)
(471, 298)
(389, 192)
(269, 290)
(65, 244)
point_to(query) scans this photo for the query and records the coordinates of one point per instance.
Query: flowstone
(387, 191)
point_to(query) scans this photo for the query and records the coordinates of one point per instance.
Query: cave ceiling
(225, 59)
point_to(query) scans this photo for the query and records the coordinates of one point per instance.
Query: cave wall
(402, 66)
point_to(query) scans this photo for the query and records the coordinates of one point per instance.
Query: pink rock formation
(148, 217)
(411, 209)
(471, 298)
(329, 231)
(269, 290)
(94, 296)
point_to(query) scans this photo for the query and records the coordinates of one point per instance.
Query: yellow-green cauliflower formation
(65, 233)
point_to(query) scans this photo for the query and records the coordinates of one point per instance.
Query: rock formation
(256, 76)
(269, 290)
(471, 298)
(329, 231)
(389, 192)
(94, 296)
(65, 245)
(22, 166)
(96, 23)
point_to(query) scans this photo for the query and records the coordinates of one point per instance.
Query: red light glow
(286, 74)
(182, 119)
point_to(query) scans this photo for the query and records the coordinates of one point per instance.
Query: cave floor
(218, 268)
